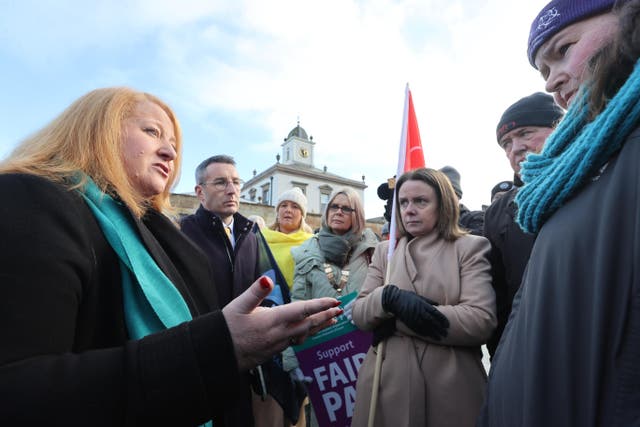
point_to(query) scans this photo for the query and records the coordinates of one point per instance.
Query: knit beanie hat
(559, 14)
(538, 109)
(296, 196)
(454, 177)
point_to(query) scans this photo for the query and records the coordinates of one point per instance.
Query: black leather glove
(383, 331)
(417, 312)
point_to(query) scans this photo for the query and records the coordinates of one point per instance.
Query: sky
(240, 74)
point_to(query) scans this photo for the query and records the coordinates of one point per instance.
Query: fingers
(301, 310)
(251, 298)
(438, 325)
(438, 317)
(304, 318)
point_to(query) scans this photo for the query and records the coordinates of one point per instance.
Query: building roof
(304, 171)
(299, 132)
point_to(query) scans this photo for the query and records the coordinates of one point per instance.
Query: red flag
(410, 157)
(413, 154)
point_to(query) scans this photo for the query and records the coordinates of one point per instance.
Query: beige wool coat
(426, 382)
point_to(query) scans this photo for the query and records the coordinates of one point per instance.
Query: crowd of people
(114, 314)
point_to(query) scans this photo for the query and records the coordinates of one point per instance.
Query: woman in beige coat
(435, 313)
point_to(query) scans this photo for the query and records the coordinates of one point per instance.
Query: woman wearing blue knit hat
(570, 354)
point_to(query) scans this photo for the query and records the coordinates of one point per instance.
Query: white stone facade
(297, 170)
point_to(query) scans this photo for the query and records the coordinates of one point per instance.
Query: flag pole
(377, 371)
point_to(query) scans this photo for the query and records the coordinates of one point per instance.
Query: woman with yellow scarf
(288, 231)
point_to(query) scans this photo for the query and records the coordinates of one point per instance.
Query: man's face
(519, 142)
(223, 202)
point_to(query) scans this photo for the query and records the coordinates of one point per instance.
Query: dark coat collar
(167, 246)
(241, 225)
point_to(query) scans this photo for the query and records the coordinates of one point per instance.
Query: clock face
(304, 152)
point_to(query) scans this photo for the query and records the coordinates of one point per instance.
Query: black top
(510, 250)
(235, 268)
(65, 357)
(471, 221)
(570, 353)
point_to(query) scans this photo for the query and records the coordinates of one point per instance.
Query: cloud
(342, 67)
(247, 70)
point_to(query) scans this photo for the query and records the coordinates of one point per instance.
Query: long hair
(448, 209)
(611, 66)
(358, 221)
(87, 138)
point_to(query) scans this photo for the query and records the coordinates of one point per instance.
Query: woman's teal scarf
(574, 152)
(151, 301)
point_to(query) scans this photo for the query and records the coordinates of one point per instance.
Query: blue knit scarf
(574, 152)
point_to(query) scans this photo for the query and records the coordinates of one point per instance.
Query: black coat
(235, 268)
(510, 250)
(570, 354)
(471, 221)
(66, 358)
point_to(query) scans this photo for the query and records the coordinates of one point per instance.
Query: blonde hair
(275, 226)
(448, 208)
(358, 221)
(87, 138)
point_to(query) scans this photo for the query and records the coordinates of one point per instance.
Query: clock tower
(298, 147)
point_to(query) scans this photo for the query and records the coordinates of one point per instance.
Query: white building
(297, 170)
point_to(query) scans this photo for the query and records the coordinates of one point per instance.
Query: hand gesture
(259, 332)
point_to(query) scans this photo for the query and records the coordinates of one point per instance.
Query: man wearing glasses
(220, 231)
(225, 237)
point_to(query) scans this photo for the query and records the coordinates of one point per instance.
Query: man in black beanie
(522, 129)
(472, 221)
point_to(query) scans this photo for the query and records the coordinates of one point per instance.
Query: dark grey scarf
(336, 249)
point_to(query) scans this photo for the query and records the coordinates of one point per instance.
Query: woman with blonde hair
(289, 230)
(434, 313)
(333, 262)
(108, 313)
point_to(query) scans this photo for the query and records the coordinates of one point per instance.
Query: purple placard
(333, 366)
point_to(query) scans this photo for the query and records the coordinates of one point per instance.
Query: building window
(301, 185)
(252, 194)
(325, 194)
(265, 194)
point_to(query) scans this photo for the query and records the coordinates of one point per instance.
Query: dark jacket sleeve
(503, 305)
(65, 358)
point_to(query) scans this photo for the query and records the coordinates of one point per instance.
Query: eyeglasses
(418, 202)
(221, 183)
(344, 209)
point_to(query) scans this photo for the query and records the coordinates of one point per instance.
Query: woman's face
(149, 149)
(563, 59)
(338, 220)
(418, 207)
(289, 217)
